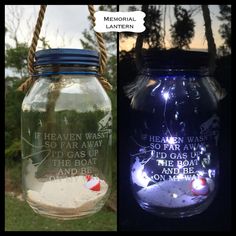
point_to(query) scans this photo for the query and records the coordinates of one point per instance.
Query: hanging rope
(25, 86)
(102, 48)
(103, 55)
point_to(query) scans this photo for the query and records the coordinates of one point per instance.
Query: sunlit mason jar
(66, 135)
(174, 142)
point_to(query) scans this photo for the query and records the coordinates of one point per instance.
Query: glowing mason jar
(66, 135)
(173, 151)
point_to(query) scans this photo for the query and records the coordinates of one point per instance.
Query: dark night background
(217, 217)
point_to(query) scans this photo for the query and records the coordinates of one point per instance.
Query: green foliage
(182, 31)
(225, 28)
(111, 73)
(13, 151)
(110, 37)
(20, 217)
(17, 58)
(90, 42)
(13, 102)
(13, 175)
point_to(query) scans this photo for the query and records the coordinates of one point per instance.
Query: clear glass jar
(66, 136)
(173, 148)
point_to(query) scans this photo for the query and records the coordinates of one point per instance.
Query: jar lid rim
(71, 51)
(175, 59)
(67, 56)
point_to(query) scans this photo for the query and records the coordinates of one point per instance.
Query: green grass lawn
(20, 217)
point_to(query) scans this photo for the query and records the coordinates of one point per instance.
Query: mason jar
(174, 138)
(66, 135)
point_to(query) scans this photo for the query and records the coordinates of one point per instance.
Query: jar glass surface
(173, 146)
(66, 143)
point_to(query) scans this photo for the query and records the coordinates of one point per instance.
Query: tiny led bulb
(166, 95)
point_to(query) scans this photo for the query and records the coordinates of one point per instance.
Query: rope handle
(31, 54)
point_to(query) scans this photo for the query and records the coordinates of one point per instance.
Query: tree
(16, 58)
(90, 42)
(139, 42)
(210, 39)
(152, 34)
(164, 25)
(13, 103)
(225, 28)
(182, 31)
(13, 21)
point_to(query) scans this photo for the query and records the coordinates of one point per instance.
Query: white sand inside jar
(172, 194)
(66, 193)
(69, 192)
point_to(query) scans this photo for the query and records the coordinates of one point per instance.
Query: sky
(198, 41)
(63, 25)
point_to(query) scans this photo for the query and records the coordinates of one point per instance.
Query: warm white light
(174, 195)
(170, 140)
(139, 176)
(198, 184)
(201, 173)
(176, 115)
(211, 173)
(180, 176)
(166, 95)
(142, 177)
(203, 149)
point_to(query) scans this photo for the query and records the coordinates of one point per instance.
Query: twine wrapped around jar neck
(31, 55)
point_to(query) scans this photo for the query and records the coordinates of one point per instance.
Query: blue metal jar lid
(66, 56)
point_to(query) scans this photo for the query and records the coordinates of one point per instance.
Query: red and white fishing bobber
(93, 183)
(199, 186)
